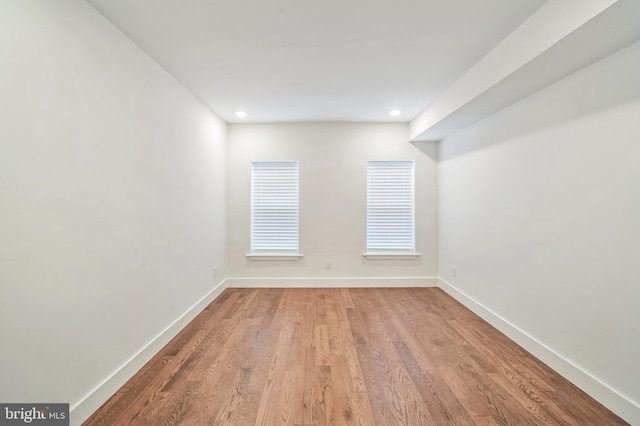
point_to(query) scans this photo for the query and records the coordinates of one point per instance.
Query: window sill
(274, 256)
(391, 256)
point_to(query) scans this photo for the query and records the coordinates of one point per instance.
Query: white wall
(112, 195)
(333, 160)
(539, 212)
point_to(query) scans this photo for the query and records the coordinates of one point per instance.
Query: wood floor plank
(467, 396)
(216, 383)
(271, 391)
(375, 390)
(361, 409)
(261, 358)
(442, 405)
(405, 406)
(322, 396)
(344, 345)
(405, 356)
(321, 344)
(307, 389)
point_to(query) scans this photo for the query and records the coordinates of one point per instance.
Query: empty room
(311, 213)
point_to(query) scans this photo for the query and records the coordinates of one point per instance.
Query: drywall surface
(112, 195)
(547, 26)
(333, 183)
(539, 208)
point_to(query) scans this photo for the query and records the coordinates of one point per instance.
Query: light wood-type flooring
(392, 356)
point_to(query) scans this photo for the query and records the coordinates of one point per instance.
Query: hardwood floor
(393, 356)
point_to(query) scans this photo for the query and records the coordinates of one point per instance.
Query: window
(390, 208)
(274, 208)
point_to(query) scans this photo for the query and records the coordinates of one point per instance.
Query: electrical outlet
(215, 272)
(454, 271)
(327, 264)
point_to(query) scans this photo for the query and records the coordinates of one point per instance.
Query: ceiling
(304, 60)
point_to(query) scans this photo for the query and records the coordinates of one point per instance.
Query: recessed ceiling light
(241, 114)
(395, 112)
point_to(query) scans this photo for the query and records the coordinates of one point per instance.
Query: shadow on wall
(429, 148)
(606, 84)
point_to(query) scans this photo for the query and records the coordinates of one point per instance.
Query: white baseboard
(81, 410)
(610, 398)
(357, 282)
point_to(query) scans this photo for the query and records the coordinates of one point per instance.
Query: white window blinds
(274, 207)
(390, 207)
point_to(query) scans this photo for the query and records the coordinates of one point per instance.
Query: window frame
(288, 174)
(386, 246)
